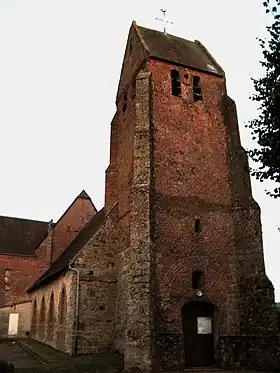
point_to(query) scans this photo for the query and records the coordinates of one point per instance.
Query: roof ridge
(26, 219)
(49, 273)
(83, 195)
(138, 31)
(166, 34)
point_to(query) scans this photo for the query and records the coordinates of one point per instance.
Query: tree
(266, 128)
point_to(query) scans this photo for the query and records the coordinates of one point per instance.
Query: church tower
(191, 274)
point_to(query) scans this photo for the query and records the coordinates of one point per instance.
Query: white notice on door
(204, 325)
(13, 324)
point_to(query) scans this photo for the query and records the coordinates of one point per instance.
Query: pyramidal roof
(83, 195)
(174, 49)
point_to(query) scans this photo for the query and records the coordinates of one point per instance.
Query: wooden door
(197, 320)
(13, 324)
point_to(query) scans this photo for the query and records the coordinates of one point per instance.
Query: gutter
(74, 347)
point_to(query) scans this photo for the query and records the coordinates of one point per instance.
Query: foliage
(266, 128)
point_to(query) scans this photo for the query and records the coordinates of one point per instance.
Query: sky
(60, 62)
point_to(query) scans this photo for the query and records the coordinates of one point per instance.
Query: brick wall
(173, 162)
(70, 224)
(44, 251)
(24, 271)
(191, 181)
(201, 172)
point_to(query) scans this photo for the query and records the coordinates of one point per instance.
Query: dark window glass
(197, 92)
(197, 280)
(175, 83)
(197, 226)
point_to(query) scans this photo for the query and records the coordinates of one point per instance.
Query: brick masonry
(173, 161)
(25, 269)
(200, 172)
(70, 224)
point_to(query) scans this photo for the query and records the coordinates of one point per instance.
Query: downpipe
(74, 348)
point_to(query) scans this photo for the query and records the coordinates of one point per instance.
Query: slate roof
(83, 195)
(21, 236)
(80, 240)
(179, 51)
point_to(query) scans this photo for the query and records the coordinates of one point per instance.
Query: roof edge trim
(141, 37)
(39, 283)
(209, 54)
(185, 65)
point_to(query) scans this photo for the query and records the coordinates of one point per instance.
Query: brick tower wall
(174, 161)
(200, 171)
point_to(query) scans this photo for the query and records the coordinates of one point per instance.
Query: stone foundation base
(170, 351)
(257, 353)
(250, 352)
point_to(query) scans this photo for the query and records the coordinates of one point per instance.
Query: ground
(30, 356)
(12, 352)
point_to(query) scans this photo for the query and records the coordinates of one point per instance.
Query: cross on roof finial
(164, 11)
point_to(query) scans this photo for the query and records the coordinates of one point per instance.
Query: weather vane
(164, 20)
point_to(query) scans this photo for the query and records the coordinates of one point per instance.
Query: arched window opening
(197, 91)
(51, 319)
(197, 280)
(197, 226)
(34, 320)
(175, 83)
(42, 319)
(63, 307)
(7, 278)
(62, 320)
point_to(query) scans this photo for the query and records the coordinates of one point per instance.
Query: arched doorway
(197, 320)
(51, 319)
